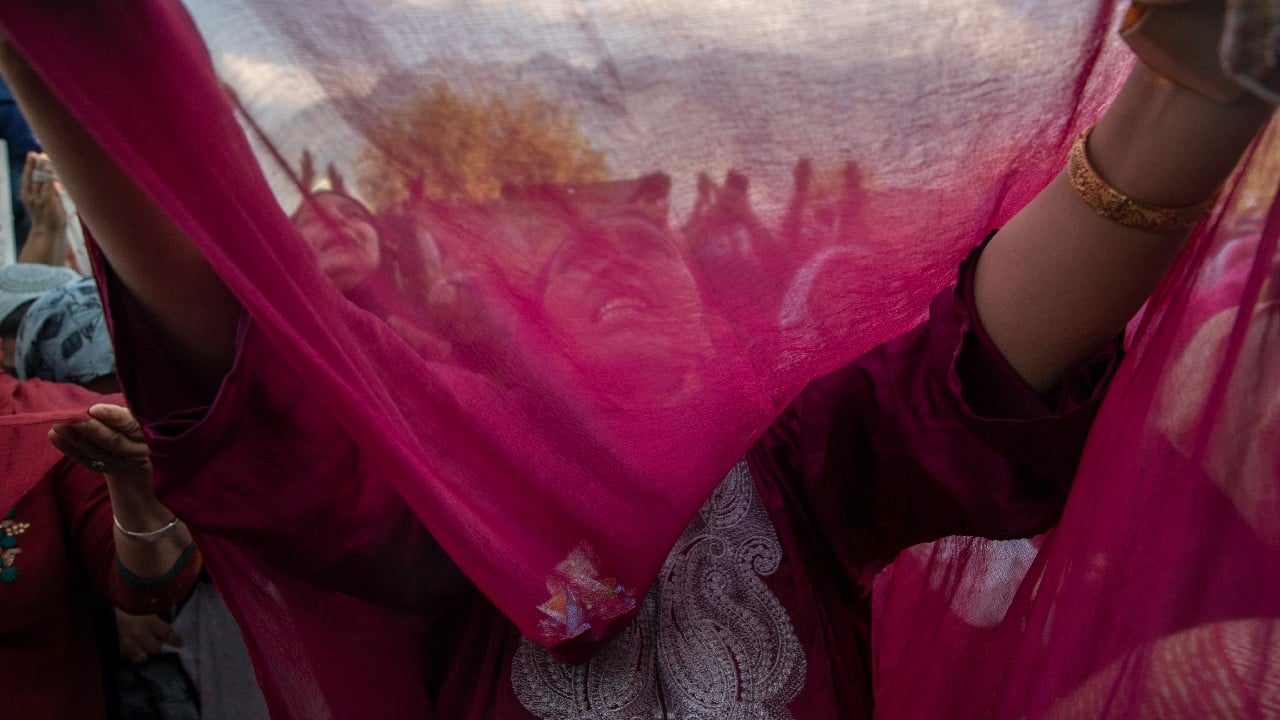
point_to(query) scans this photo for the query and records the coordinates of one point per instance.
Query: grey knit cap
(22, 282)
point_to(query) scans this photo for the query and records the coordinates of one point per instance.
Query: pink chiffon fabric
(1150, 599)
(27, 411)
(555, 375)
(760, 606)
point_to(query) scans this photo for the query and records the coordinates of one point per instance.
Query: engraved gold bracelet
(1117, 207)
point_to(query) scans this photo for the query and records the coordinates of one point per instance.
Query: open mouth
(334, 242)
(619, 308)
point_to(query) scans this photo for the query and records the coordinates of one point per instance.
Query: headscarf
(63, 337)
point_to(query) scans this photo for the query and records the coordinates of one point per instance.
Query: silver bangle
(151, 536)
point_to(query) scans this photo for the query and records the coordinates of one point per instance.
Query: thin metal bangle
(150, 537)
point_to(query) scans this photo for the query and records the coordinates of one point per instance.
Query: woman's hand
(40, 194)
(109, 442)
(141, 636)
(148, 539)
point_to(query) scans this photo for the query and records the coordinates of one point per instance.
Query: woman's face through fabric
(625, 296)
(342, 233)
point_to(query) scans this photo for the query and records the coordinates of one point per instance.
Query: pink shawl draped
(572, 350)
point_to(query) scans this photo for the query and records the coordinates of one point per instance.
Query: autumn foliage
(451, 148)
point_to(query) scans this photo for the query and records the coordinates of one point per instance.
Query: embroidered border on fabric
(620, 683)
(711, 640)
(10, 529)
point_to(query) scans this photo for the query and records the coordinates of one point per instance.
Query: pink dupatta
(682, 216)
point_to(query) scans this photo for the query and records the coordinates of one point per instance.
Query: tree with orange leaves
(451, 148)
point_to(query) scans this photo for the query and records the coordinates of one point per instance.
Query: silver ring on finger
(97, 465)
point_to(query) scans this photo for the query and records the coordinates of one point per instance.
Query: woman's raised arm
(188, 306)
(1060, 278)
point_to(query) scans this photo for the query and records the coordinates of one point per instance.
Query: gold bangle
(1117, 207)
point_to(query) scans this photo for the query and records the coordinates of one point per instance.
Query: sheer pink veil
(23, 435)
(1151, 598)
(620, 239)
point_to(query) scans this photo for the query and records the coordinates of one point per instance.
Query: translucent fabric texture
(27, 410)
(1150, 599)
(610, 242)
(28, 456)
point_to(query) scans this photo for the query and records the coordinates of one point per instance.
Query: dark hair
(385, 241)
(9, 325)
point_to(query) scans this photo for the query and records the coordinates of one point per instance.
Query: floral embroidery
(10, 529)
(727, 648)
(618, 683)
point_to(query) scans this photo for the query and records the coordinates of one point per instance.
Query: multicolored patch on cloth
(10, 529)
(581, 598)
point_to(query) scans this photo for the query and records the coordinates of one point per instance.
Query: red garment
(907, 444)
(55, 540)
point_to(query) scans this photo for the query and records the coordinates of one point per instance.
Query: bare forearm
(1059, 280)
(136, 509)
(147, 539)
(45, 246)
